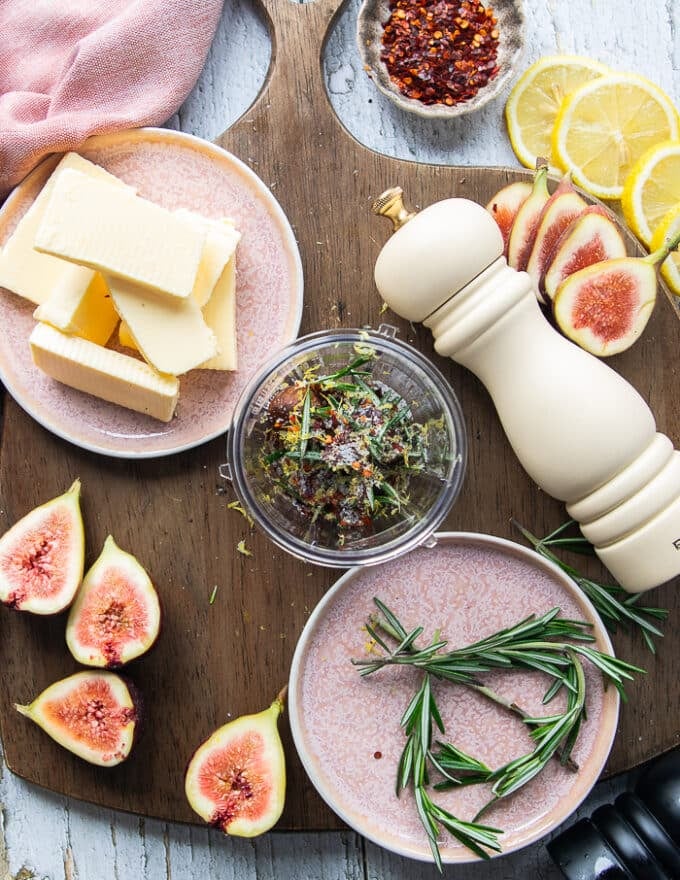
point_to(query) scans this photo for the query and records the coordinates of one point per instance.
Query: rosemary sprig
(614, 605)
(417, 721)
(536, 643)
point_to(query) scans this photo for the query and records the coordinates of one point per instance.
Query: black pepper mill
(635, 838)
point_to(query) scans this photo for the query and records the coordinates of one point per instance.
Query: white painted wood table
(46, 835)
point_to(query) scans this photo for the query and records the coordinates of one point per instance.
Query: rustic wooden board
(218, 661)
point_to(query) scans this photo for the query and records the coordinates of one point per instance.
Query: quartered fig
(92, 714)
(236, 780)
(504, 206)
(523, 232)
(591, 238)
(605, 307)
(116, 615)
(42, 556)
(563, 206)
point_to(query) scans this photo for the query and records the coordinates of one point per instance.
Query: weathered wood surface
(61, 838)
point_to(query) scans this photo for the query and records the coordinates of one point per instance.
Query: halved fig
(591, 238)
(92, 714)
(504, 206)
(42, 556)
(524, 228)
(236, 780)
(605, 307)
(563, 206)
(116, 615)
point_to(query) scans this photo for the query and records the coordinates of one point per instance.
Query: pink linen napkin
(73, 68)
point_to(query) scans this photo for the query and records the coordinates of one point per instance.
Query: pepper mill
(635, 838)
(580, 430)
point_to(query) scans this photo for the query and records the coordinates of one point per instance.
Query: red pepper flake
(440, 52)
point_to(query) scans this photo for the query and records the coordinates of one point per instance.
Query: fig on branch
(236, 780)
(42, 556)
(563, 206)
(504, 206)
(92, 714)
(605, 307)
(523, 232)
(116, 615)
(591, 238)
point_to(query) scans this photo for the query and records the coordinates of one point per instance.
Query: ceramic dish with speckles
(346, 728)
(175, 170)
(373, 14)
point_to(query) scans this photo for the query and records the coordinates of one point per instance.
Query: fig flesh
(116, 614)
(523, 232)
(504, 206)
(605, 307)
(236, 780)
(42, 556)
(563, 207)
(593, 237)
(92, 714)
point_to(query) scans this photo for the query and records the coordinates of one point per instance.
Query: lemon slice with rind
(652, 189)
(535, 100)
(668, 230)
(606, 125)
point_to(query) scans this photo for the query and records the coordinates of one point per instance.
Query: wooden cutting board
(218, 661)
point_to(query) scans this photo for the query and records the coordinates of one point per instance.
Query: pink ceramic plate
(346, 728)
(175, 170)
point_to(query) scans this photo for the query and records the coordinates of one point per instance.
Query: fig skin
(525, 225)
(236, 780)
(504, 206)
(592, 237)
(116, 615)
(71, 710)
(42, 556)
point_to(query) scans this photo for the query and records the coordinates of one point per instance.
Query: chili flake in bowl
(440, 58)
(348, 448)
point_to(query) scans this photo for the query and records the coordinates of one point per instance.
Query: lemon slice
(535, 100)
(604, 127)
(669, 228)
(651, 189)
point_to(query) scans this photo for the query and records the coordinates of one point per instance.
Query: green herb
(535, 643)
(211, 600)
(614, 605)
(236, 505)
(243, 550)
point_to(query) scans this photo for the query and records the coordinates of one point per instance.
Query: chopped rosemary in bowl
(348, 448)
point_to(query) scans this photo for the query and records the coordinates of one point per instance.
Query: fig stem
(281, 696)
(659, 256)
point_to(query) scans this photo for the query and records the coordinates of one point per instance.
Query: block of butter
(31, 274)
(219, 314)
(90, 222)
(107, 374)
(170, 332)
(87, 313)
(221, 238)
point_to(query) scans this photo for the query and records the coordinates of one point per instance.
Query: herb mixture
(343, 447)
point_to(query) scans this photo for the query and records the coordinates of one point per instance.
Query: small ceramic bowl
(375, 13)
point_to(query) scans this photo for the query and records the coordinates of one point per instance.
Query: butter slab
(104, 373)
(34, 275)
(219, 313)
(90, 222)
(221, 238)
(89, 314)
(170, 333)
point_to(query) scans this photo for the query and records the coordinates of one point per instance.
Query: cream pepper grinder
(580, 430)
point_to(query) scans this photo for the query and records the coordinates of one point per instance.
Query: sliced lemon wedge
(667, 230)
(652, 189)
(535, 100)
(606, 125)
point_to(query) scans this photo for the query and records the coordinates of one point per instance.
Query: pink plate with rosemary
(174, 170)
(346, 728)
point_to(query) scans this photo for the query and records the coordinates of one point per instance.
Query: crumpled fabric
(73, 68)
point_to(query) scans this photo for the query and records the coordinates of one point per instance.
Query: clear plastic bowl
(431, 489)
